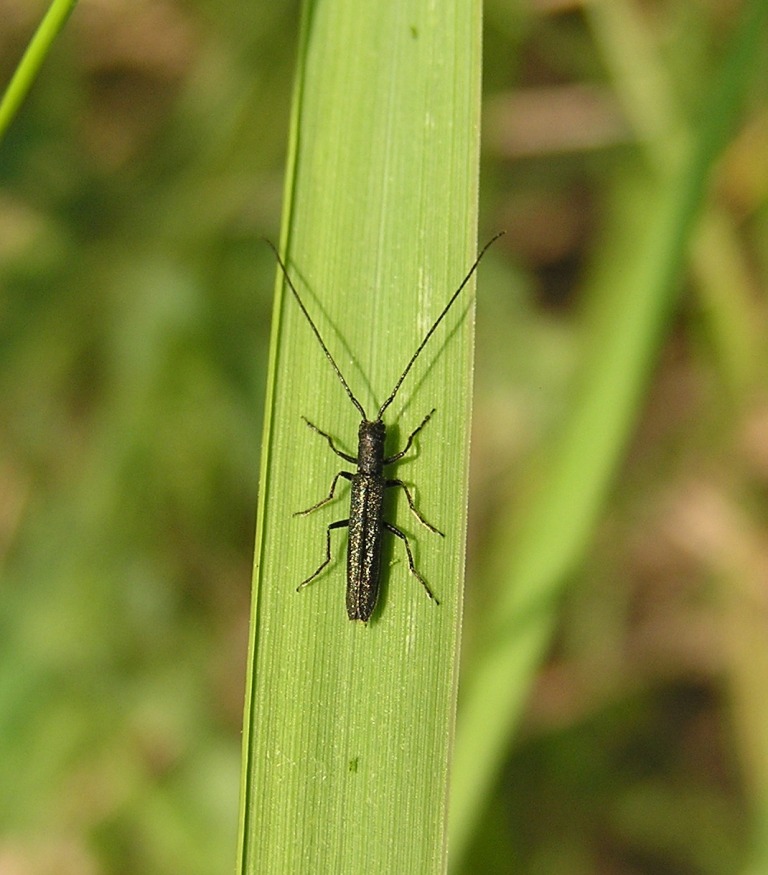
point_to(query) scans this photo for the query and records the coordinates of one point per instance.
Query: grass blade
(37, 51)
(638, 291)
(348, 728)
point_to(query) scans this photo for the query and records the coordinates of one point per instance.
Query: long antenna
(317, 334)
(431, 330)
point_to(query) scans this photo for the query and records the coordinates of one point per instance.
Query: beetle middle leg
(345, 474)
(339, 524)
(412, 505)
(411, 564)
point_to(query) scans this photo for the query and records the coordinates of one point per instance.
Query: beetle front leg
(411, 436)
(347, 458)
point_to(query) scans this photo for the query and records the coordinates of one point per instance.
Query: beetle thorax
(370, 447)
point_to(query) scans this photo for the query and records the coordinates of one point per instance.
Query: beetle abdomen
(364, 548)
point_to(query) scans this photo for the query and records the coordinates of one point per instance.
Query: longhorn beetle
(366, 520)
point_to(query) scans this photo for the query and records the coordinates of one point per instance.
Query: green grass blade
(718, 265)
(37, 51)
(638, 288)
(348, 728)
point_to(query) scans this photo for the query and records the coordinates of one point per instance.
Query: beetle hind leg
(339, 524)
(411, 564)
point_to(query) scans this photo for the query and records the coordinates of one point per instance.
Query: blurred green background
(136, 184)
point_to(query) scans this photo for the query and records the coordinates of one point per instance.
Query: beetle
(366, 520)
